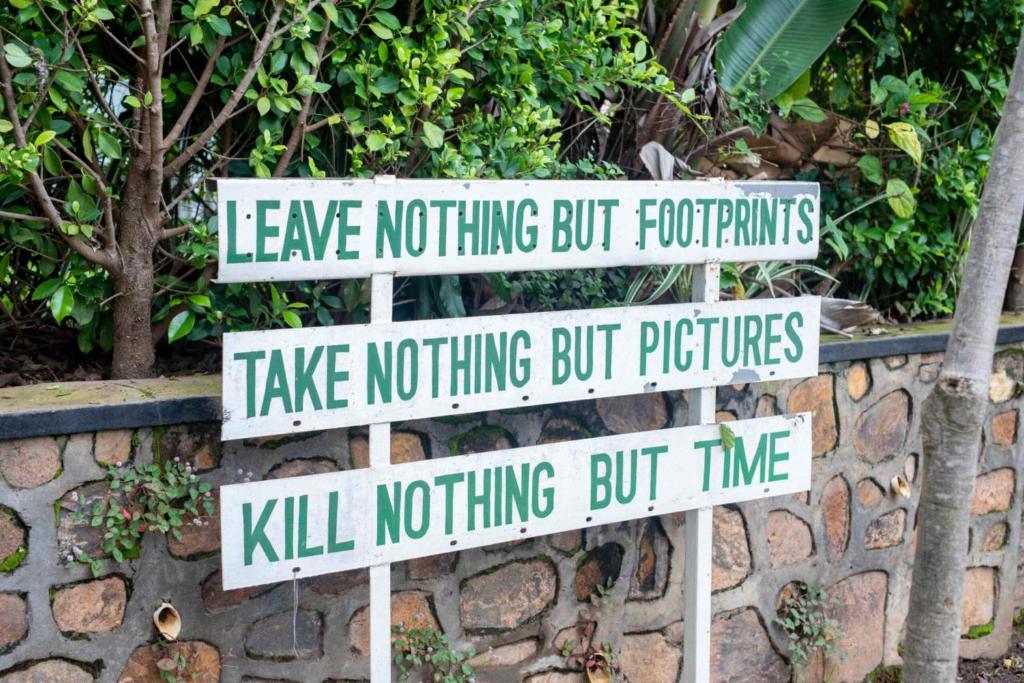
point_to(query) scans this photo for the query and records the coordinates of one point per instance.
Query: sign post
(285, 381)
(698, 523)
(381, 293)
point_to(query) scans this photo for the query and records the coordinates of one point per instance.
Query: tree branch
(107, 258)
(23, 217)
(90, 74)
(197, 94)
(298, 133)
(234, 98)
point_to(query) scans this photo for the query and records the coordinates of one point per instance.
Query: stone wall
(519, 604)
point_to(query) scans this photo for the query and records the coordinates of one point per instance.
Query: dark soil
(1007, 669)
(52, 355)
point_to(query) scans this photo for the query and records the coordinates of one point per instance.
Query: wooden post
(697, 565)
(382, 290)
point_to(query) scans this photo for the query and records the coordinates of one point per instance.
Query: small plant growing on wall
(601, 664)
(807, 625)
(427, 647)
(143, 498)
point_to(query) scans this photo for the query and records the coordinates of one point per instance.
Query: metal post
(697, 565)
(382, 290)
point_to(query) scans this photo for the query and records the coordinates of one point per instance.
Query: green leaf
(376, 141)
(806, 109)
(204, 7)
(905, 137)
(263, 105)
(775, 41)
(61, 303)
(728, 437)
(331, 12)
(181, 324)
(45, 289)
(200, 300)
(309, 52)
(16, 56)
(972, 79)
(382, 32)
(6, 126)
(388, 83)
(433, 135)
(220, 25)
(871, 168)
(44, 137)
(901, 198)
(132, 101)
(291, 318)
(108, 144)
(388, 19)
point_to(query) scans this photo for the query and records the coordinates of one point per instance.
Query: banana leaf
(774, 41)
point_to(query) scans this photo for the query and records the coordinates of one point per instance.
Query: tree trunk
(137, 230)
(953, 414)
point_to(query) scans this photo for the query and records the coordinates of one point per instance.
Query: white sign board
(285, 381)
(323, 523)
(308, 229)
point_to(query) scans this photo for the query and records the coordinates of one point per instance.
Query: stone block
(652, 564)
(881, 430)
(567, 541)
(859, 605)
(49, 671)
(28, 463)
(636, 413)
(993, 492)
(767, 405)
(337, 583)
(505, 655)
(599, 568)
(730, 549)
(13, 620)
(405, 447)
(835, 510)
(886, 531)
(817, 396)
(869, 494)
(411, 609)
(995, 537)
(270, 638)
(199, 535)
(482, 439)
(556, 677)
(198, 444)
(789, 538)
(508, 596)
(979, 597)
(12, 534)
(650, 658)
(741, 650)
(431, 567)
(90, 606)
(113, 447)
(216, 599)
(894, 362)
(202, 663)
(858, 380)
(1004, 428)
(302, 467)
(575, 638)
(562, 429)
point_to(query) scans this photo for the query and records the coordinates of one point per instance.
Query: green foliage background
(477, 89)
